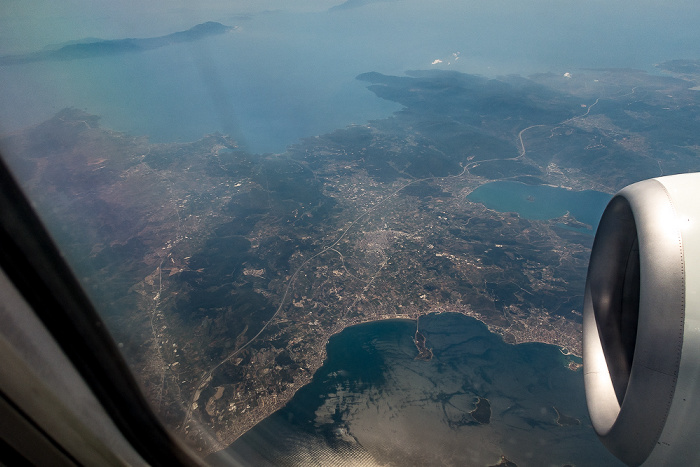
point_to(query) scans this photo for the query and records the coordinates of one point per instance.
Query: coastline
(223, 440)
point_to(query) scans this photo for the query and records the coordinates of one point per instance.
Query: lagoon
(541, 202)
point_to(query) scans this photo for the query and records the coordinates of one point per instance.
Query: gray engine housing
(641, 323)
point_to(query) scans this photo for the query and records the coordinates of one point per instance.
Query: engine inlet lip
(632, 352)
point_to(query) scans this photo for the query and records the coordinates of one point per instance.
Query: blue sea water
(288, 71)
(184, 91)
(542, 202)
(373, 403)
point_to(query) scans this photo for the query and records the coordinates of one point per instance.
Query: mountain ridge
(80, 49)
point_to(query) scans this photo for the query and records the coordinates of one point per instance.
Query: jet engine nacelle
(641, 323)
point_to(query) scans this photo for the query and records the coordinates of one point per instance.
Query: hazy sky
(26, 25)
(30, 24)
(291, 64)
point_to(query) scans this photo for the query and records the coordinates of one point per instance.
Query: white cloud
(436, 61)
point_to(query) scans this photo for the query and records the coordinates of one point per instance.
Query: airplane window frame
(40, 274)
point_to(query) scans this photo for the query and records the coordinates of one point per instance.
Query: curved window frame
(38, 272)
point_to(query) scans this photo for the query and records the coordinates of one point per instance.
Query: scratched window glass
(349, 231)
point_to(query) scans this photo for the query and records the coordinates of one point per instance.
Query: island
(91, 48)
(565, 420)
(482, 412)
(424, 353)
(504, 462)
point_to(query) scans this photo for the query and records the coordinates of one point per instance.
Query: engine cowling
(641, 323)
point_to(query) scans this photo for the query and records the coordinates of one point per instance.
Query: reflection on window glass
(347, 232)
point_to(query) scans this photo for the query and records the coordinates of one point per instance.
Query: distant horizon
(288, 73)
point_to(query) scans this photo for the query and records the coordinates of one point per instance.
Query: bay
(542, 202)
(374, 403)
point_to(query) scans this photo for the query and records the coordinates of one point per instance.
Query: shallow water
(373, 403)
